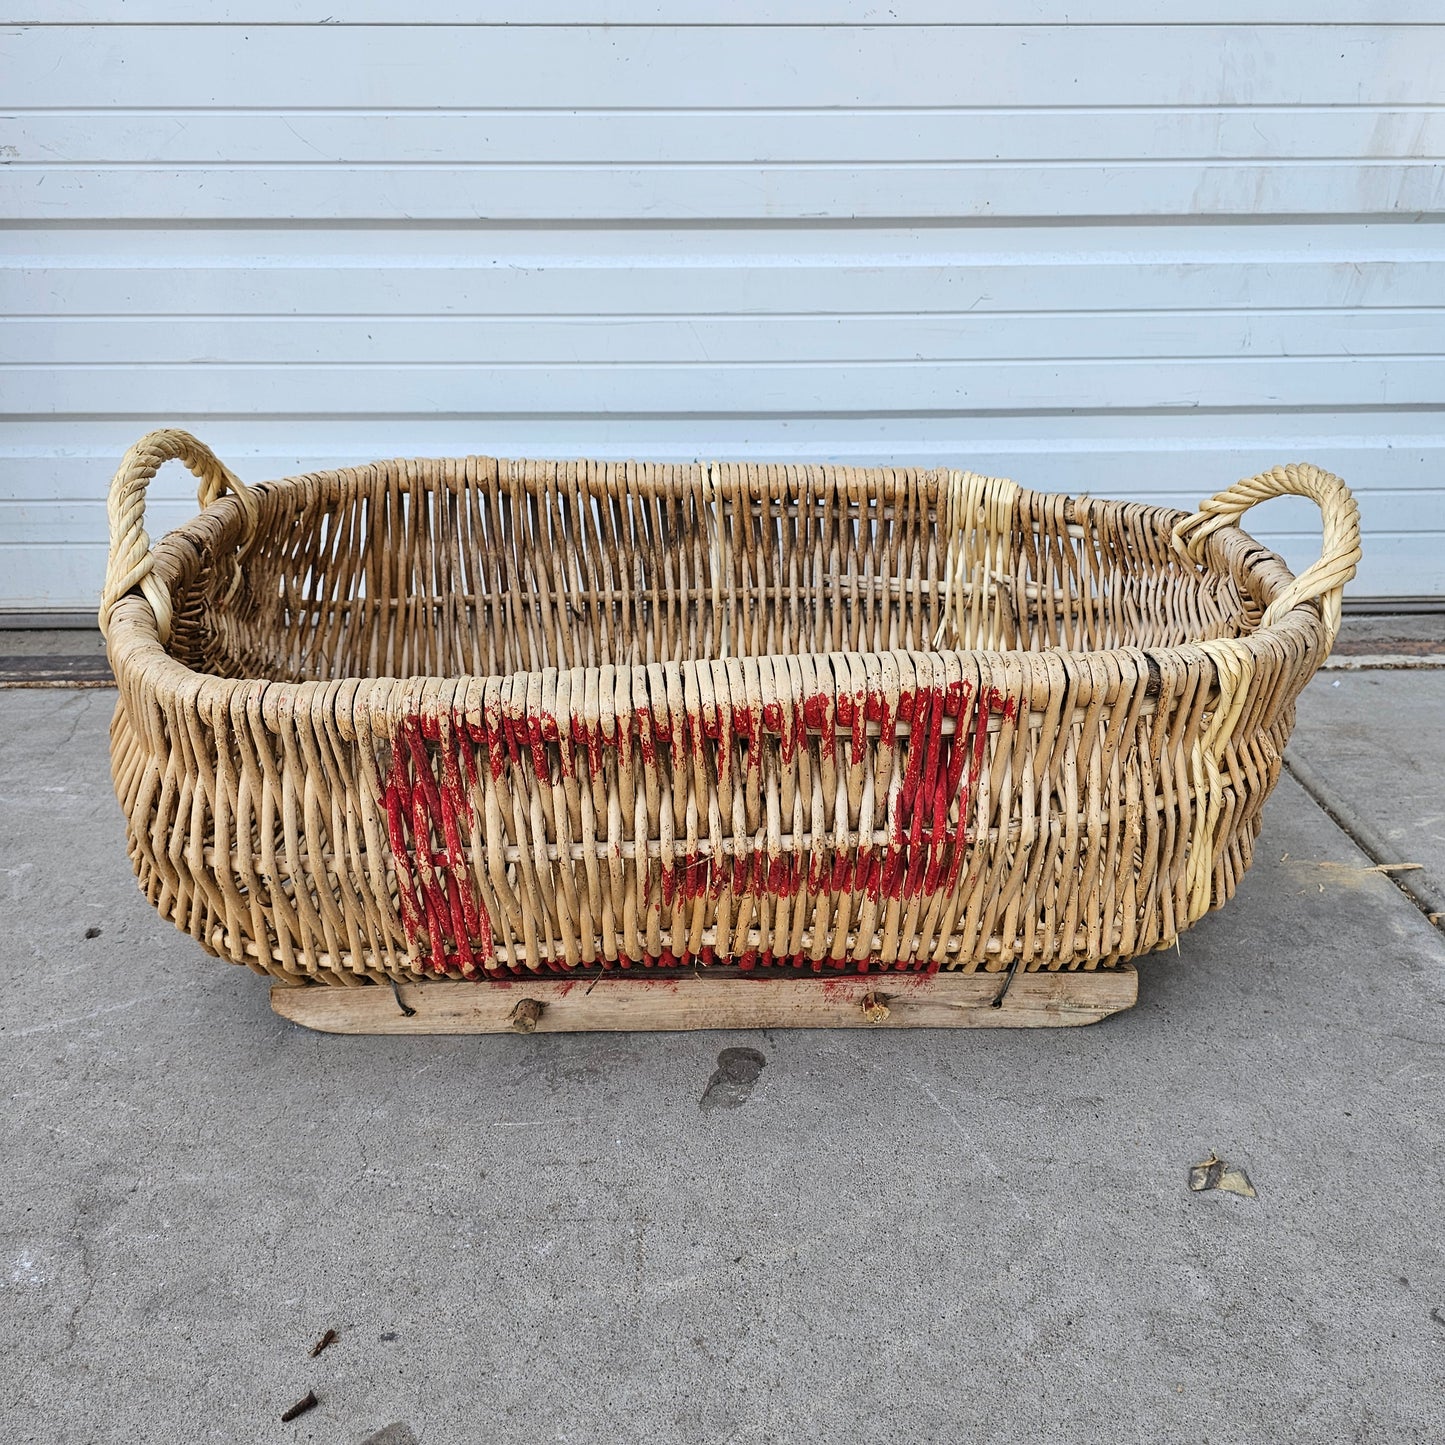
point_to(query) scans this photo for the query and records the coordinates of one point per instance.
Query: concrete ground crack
(1416, 886)
(78, 1229)
(72, 1323)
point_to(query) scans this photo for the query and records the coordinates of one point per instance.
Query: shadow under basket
(491, 745)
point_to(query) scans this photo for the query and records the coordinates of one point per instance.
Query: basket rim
(135, 646)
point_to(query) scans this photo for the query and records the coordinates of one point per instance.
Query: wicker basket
(483, 719)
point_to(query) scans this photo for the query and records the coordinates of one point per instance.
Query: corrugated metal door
(1121, 256)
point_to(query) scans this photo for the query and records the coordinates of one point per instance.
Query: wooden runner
(721, 998)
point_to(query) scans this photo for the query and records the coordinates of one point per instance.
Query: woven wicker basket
(480, 719)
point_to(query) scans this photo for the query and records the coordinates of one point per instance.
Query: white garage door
(1122, 257)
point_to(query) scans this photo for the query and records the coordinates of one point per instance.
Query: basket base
(722, 998)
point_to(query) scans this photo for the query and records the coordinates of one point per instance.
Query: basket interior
(482, 567)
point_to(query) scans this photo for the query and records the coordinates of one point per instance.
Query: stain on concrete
(738, 1070)
(397, 1433)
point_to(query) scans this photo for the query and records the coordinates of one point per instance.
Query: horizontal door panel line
(928, 363)
(567, 415)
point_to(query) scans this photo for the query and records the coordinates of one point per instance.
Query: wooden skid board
(718, 999)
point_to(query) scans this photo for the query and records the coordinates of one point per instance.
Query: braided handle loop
(1326, 579)
(130, 561)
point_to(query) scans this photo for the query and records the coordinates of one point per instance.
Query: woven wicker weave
(460, 718)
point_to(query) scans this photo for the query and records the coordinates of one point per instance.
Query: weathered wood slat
(718, 999)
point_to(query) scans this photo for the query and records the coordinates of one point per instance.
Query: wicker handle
(1326, 579)
(130, 561)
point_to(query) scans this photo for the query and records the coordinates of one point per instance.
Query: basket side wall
(841, 812)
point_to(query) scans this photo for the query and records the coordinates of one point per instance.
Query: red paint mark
(642, 725)
(437, 764)
(690, 877)
(784, 877)
(494, 738)
(425, 822)
(840, 981)
(818, 875)
(748, 728)
(815, 712)
(589, 737)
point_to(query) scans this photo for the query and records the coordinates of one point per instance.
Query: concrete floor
(944, 1236)
(1370, 747)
